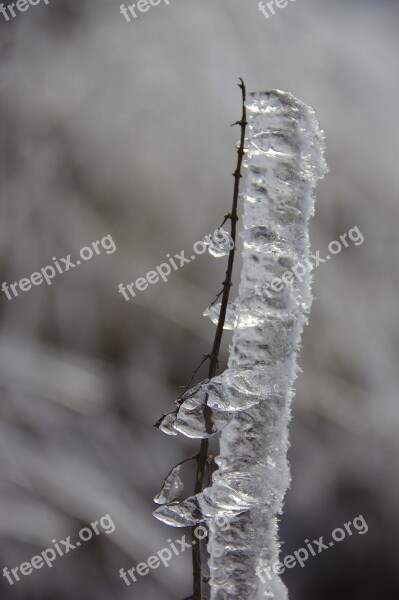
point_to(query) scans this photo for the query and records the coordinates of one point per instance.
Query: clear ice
(250, 402)
(172, 487)
(218, 243)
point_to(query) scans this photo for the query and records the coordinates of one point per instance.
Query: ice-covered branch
(250, 401)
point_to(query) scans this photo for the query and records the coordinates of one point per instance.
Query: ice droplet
(196, 419)
(236, 319)
(217, 251)
(166, 424)
(219, 243)
(213, 313)
(172, 487)
(180, 514)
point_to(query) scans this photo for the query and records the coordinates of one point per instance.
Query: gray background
(111, 127)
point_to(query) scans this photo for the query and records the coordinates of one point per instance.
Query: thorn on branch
(204, 358)
(216, 299)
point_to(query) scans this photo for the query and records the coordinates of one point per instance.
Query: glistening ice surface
(251, 400)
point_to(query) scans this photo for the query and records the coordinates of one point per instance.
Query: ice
(250, 402)
(283, 163)
(217, 251)
(196, 420)
(219, 243)
(166, 424)
(172, 487)
(180, 514)
(213, 313)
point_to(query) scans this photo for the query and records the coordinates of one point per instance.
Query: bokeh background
(109, 127)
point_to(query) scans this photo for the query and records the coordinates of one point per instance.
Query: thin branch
(180, 463)
(202, 459)
(216, 299)
(204, 359)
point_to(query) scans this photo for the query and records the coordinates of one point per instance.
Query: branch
(202, 459)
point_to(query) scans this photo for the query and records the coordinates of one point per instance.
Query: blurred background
(110, 127)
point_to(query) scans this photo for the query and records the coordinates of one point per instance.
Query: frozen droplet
(196, 419)
(213, 312)
(172, 487)
(219, 243)
(180, 514)
(166, 424)
(217, 251)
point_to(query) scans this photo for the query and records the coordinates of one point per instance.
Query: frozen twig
(250, 401)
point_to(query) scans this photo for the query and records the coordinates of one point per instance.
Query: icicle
(250, 402)
(283, 163)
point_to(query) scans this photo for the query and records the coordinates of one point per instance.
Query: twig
(205, 358)
(181, 463)
(202, 459)
(216, 299)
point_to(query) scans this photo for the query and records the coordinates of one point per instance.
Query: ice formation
(172, 487)
(250, 401)
(218, 243)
